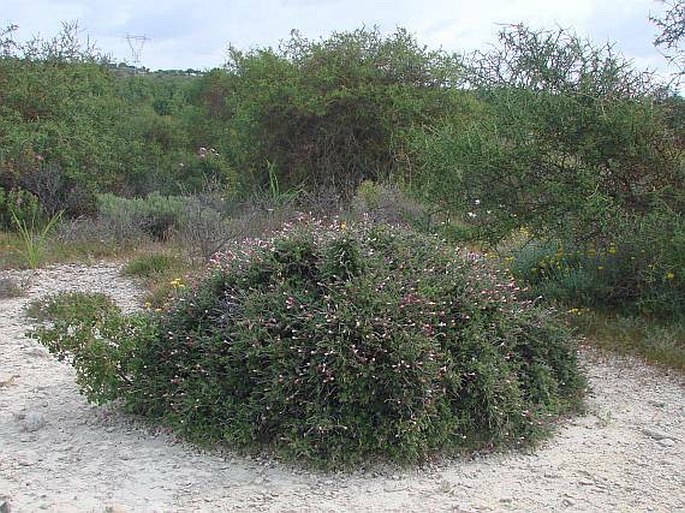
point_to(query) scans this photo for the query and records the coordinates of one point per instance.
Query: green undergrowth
(162, 273)
(333, 346)
(628, 298)
(88, 330)
(656, 341)
(57, 249)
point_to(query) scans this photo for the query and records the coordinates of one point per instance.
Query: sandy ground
(60, 454)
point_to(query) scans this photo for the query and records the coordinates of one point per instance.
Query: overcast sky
(195, 34)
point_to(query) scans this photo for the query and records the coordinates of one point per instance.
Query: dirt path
(59, 454)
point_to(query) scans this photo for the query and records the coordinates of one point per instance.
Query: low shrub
(335, 345)
(161, 215)
(71, 307)
(90, 331)
(154, 217)
(203, 227)
(581, 277)
(85, 238)
(119, 219)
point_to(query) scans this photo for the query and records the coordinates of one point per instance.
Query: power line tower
(136, 43)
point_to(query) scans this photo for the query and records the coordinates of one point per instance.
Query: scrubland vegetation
(393, 240)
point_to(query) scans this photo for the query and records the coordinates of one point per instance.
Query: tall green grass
(34, 238)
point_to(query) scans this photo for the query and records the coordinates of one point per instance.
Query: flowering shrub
(335, 344)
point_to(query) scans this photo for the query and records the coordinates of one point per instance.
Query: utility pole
(136, 43)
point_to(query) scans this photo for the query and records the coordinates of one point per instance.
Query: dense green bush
(569, 138)
(71, 307)
(60, 108)
(325, 114)
(71, 125)
(336, 344)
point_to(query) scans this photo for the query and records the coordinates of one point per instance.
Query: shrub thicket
(546, 132)
(334, 345)
(326, 114)
(580, 150)
(71, 125)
